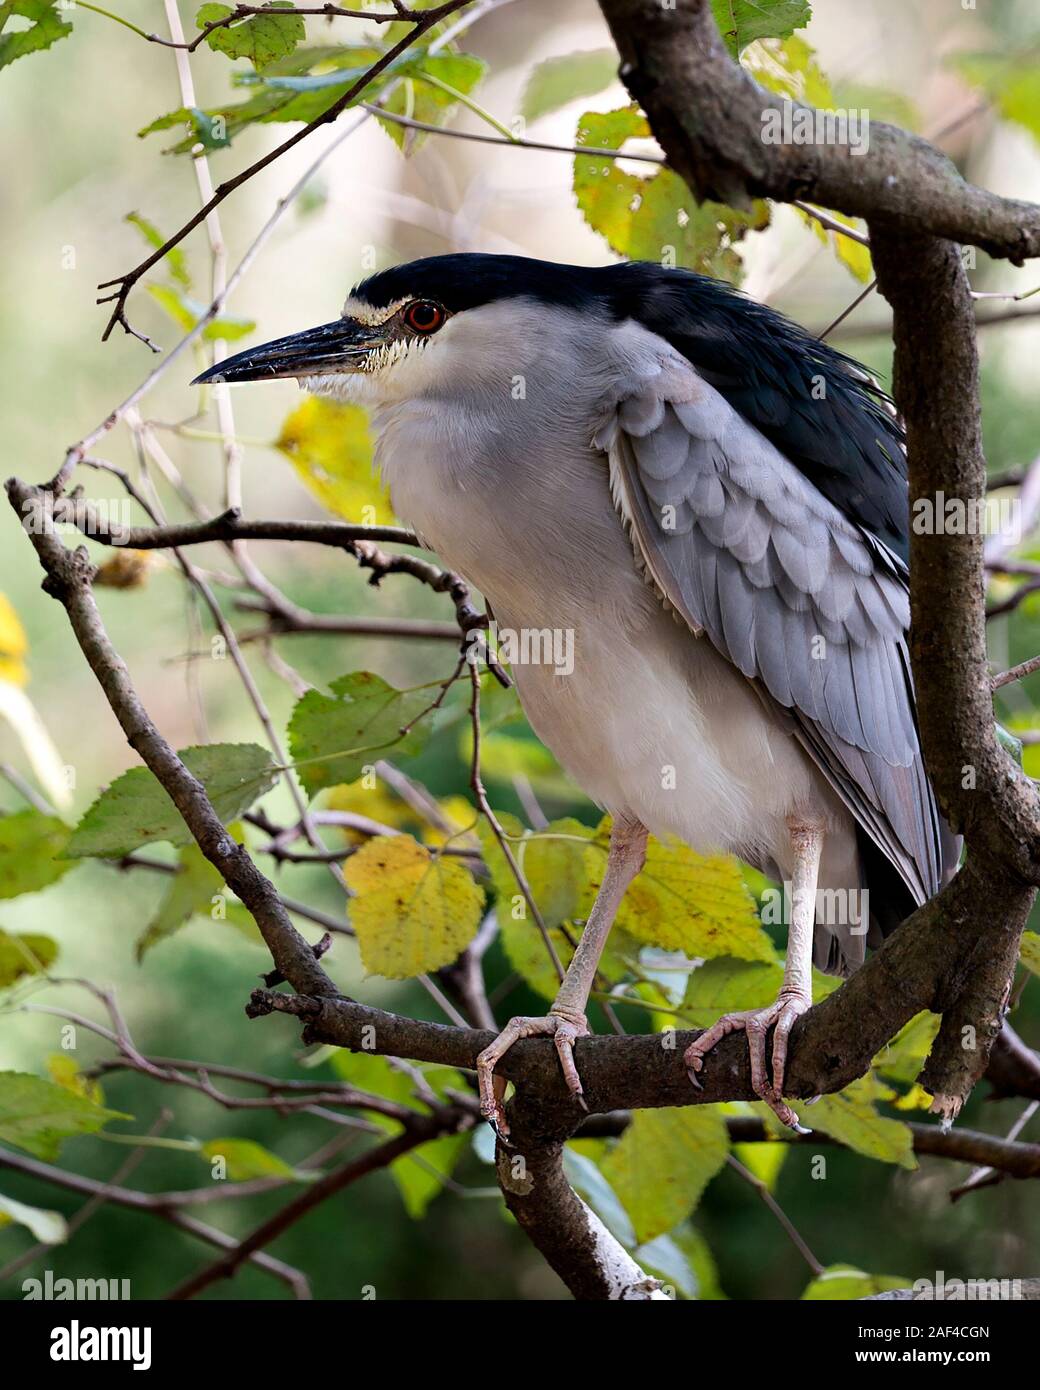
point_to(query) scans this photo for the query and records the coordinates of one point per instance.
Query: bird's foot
(564, 1027)
(756, 1023)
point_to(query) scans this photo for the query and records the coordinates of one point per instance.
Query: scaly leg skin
(795, 995)
(565, 1021)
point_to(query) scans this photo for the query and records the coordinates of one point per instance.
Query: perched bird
(714, 504)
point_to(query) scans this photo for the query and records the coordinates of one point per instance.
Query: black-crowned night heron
(714, 504)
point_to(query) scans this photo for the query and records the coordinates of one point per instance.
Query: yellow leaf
(412, 912)
(126, 569)
(330, 447)
(1029, 951)
(64, 1072)
(682, 901)
(13, 645)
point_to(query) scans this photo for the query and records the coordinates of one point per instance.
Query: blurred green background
(74, 168)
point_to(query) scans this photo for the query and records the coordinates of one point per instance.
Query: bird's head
(444, 320)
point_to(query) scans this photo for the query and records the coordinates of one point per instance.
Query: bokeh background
(74, 166)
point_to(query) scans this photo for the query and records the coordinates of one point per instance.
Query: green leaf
(1011, 82)
(37, 1115)
(654, 218)
(191, 891)
(330, 446)
(903, 1058)
(25, 955)
(135, 810)
(412, 911)
(559, 864)
(46, 26)
(246, 1159)
(851, 1117)
(728, 985)
(420, 1176)
(186, 312)
(558, 81)
(1029, 951)
(263, 38)
(682, 901)
(663, 1162)
(29, 846)
(306, 84)
(555, 862)
(48, 1227)
(742, 21)
(175, 258)
(846, 1282)
(332, 737)
(896, 108)
(701, 1261)
(423, 101)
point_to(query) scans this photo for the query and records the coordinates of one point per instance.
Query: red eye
(424, 316)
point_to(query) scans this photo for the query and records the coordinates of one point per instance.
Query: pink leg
(795, 995)
(565, 1021)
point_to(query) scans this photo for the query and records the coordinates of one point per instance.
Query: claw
(563, 1031)
(755, 1023)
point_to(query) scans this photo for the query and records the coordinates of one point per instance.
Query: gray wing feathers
(743, 547)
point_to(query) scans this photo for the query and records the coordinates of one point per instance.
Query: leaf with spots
(655, 217)
(333, 737)
(663, 1162)
(135, 810)
(412, 911)
(683, 901)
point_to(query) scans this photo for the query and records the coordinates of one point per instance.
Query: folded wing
(809, 606)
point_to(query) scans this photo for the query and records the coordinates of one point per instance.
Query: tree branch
(709, 117)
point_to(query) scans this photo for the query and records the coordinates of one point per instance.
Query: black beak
(332, 347)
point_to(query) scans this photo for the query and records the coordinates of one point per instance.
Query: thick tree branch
(709, 115)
